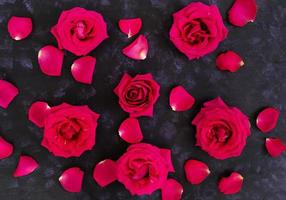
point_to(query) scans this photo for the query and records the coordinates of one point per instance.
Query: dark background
(260, 83)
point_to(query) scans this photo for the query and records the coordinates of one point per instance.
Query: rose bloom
(138, 95)
(69, 130)
(221, 130)
(197, 29)
(144, 168)
(79, 30)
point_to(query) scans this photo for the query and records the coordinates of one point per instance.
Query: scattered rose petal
(267, 119)
(275, 146)
(6, 149)
(26, 166)
(138, 49)
(19, 27)
(242, 12)
(37, 113)
(51, 60)
(82, 69)
(196, 171)
(104, 172)
(71, 179)
(172, 190)
(7, 93)
(130, 130)
(229, 61)
(130, 26)
(231, 184)
(180, 99)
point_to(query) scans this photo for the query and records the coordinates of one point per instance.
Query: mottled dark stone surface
(261, 83)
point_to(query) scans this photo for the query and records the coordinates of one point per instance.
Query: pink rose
(221, 130)
(137, 95)
(79, 30)
(197, 29)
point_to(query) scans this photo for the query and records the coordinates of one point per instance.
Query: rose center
(221, 133)
(140, 173)
(196, 32)
(70, 130)
(81, 30)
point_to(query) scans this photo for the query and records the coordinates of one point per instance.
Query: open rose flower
(221, 130)
(197, 29)
(79, 30)
(138, 95)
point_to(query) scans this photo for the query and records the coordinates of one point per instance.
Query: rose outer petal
(180, 99)
(7, 93)
(275, 146)
(267, 119)
(38, 112)
(229, 61)
(138, 49)
(130, 26)
(19, 27)
(104, 172)
(196, 171)
(26, 166)
(83, 68)
(130, 130)
(172, 190)
(231, 184)
(6, 149)
(71, 179)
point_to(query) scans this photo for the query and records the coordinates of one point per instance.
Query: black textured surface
(260, 83)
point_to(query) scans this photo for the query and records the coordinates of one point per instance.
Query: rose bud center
(80, 30)
(196, 32)
(220, 133)
(70, 129)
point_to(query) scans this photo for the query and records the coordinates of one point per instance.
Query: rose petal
(51, 60)
(196, 171)
(267, 119)
(231, 184)
(172, 190)
(180, 99)
(167, 154)
(229, 61)
(83, 68)
(130, 26)
(19, 27)
(138, 49)
(104, 172)
(71, 179)
(7, 93)
(130, 130)
(26, 166)
(275, 146)
(37, 113)
(6, 149)
(242, 12)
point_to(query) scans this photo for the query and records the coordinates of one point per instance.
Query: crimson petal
(6, 149)
(275, 146)
(267, 119)
(26, 166)
(231, 184)
(138, 49)
(7, 93)
(82, 69)
(19, 27)
(130, 130)
(71, 179)
(172, 190)
(130, 26)
(38, 112)
(104, 172)
(180, 99)
(196, 171)
(229, 61)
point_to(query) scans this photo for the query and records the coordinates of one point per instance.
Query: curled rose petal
(51, 60)
(172, 190)
(229, 61)
(267, 119)
(130, 130)
(104, 172)
(37, 113)
(138, 49)
(196, 171)
(231, 184)
(82, 69)
(275, 146)
(7, 93)
(26, 166)
(180, 99)
(242, 12)
(130, 26)
(19, 27)
(167, 155)
(71, 179)
(6, 149)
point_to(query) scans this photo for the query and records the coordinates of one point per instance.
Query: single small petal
(6, 149)
(104, 172)
(38, 112)
(242, 12)
(130, 130)
(83, 68)
(71, 179)
(51, 60)
(229, 61)
(19, 27)
(180, 99)
(196, 171)
(275, 146)
(172, 190)
(130, 26)
(231, 184)
(267, 119)
(26, 166)
(167, 155)
(7, 93)
(138, 49)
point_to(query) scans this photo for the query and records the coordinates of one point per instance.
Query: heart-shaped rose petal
(71, 179)
(267, 119)
(196, 171)
(229, 61)
(38, 112)
(19, 27)
(26, 166)
(172, 190)
(7, 93)
(130, 26)
(180, 99)
(83, 68)
(275, 146)
(130, 130)
(104, 172)
(138, 49)
(231, 184)
(6, 149)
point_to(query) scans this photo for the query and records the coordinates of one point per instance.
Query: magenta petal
(38, 112)
(138, 49)
(26, 165)
(180, 99)
(71, 179)
(6, 149)
(19, 27)
(130, 130)
(104, 172)
(196, 171)
(51, 60)
(82, 69)
(130, 26)
(267, 119)
(166, 154)
(172, 190)
(229, 61)
(275, 146)
(231, 184)
(7, 93)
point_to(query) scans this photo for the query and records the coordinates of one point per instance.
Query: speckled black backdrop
(260, 83)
